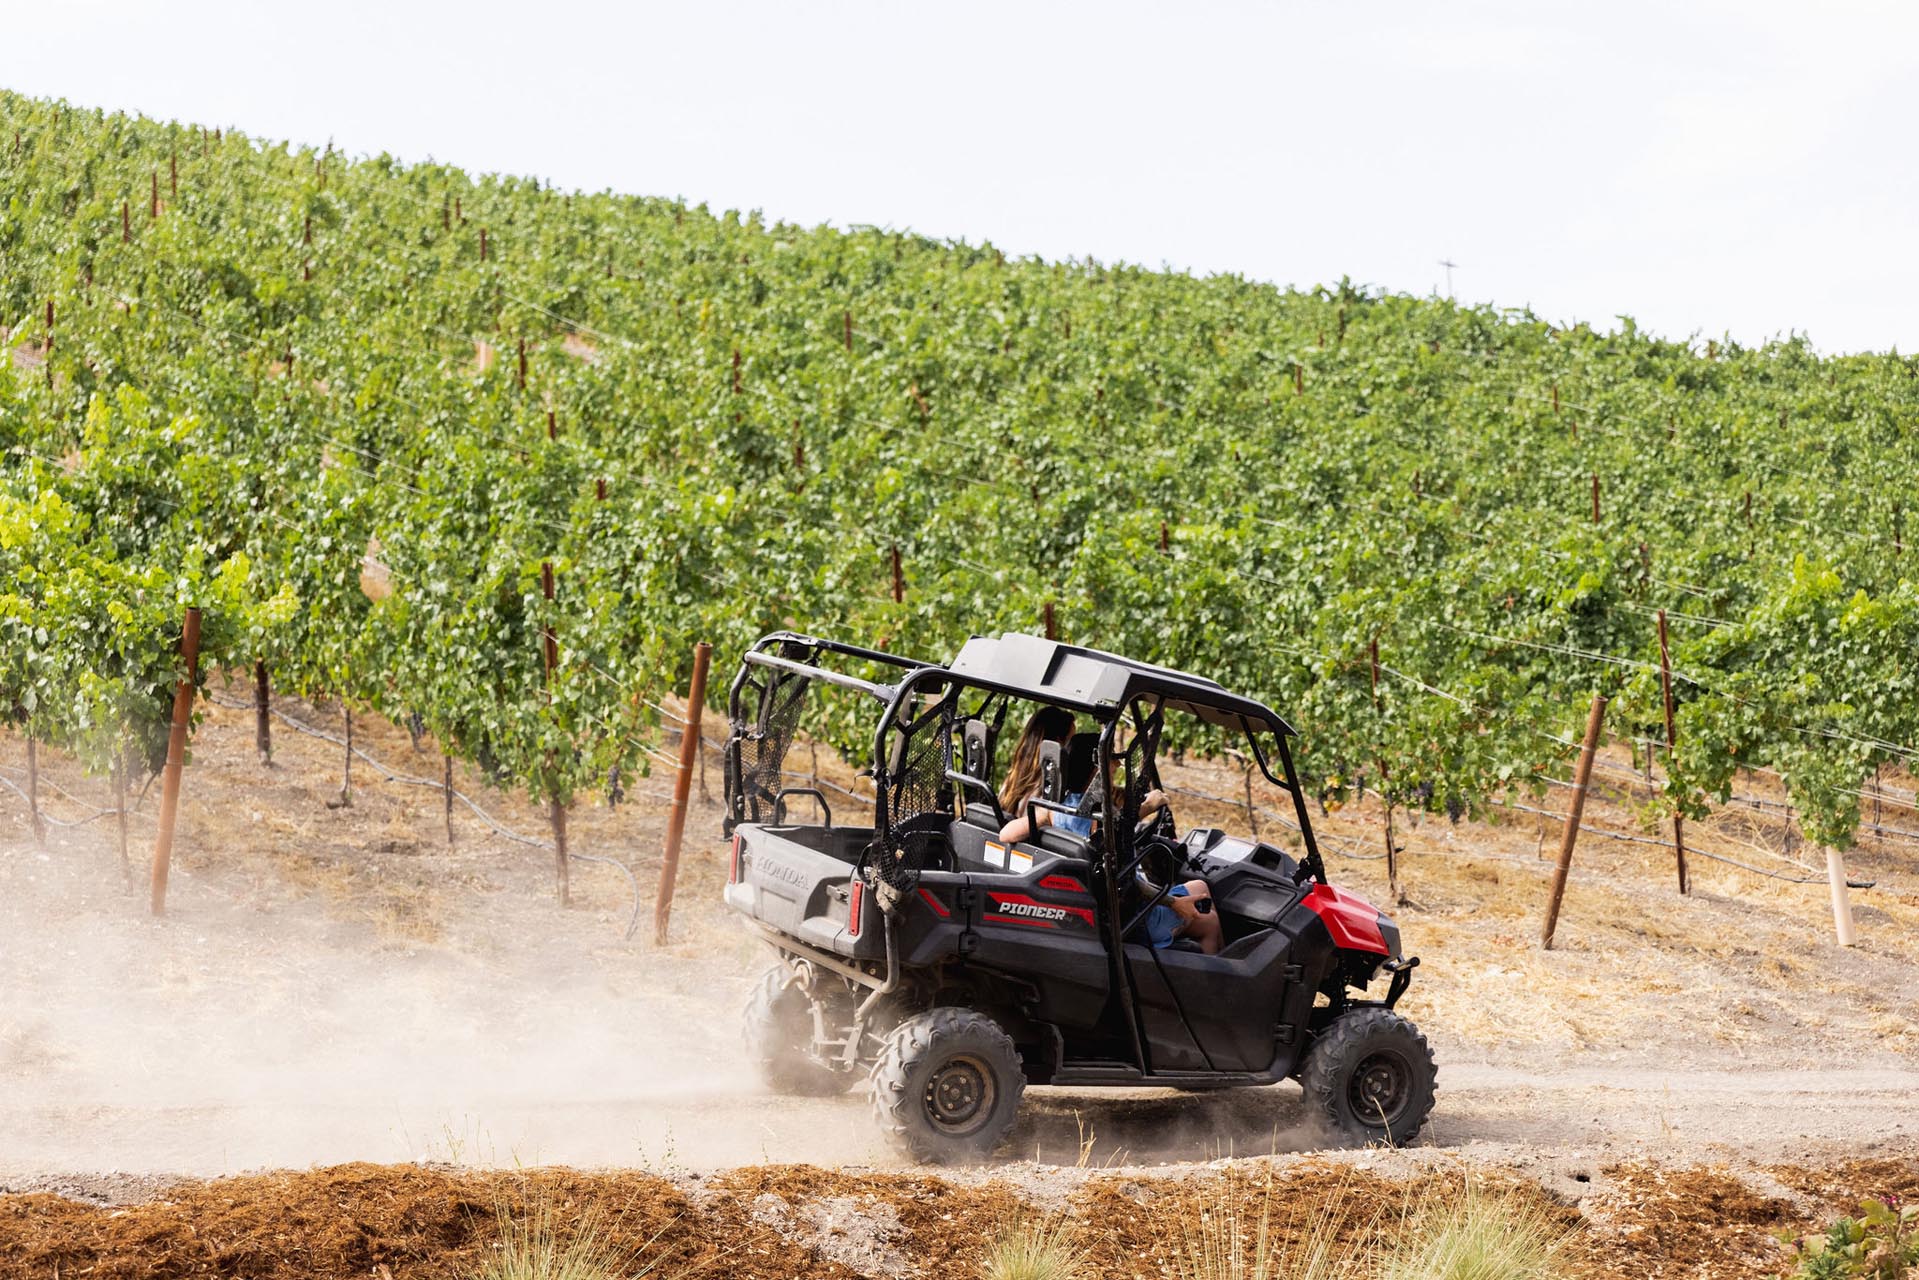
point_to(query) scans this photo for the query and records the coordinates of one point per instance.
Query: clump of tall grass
(1035, 1249)
(1472, 1235)
(537, 1244)
(1233, 1238)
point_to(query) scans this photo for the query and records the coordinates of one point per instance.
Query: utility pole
(1449, 264)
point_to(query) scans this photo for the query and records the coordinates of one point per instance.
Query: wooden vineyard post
(1246, 784)
(120, 815)
(262, 713)
(1841, 903)
(346, 773)
(899, 578)
(1672, 738)
(706, 797)
(556, 815)
(1052, 628)
(1595, 497)
(33, 791)
(176, 761)
(447, 783)
(1594, 723)
(556, 812)
(1392, 854)
(682, 784)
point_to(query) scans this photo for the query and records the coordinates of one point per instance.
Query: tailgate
(801, 891)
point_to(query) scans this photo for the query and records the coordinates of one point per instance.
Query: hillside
(350, 408)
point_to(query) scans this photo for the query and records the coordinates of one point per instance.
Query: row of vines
(245, 376)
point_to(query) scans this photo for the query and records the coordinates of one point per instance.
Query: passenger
(1022, 784)
(1186, 912)
(1048, 724)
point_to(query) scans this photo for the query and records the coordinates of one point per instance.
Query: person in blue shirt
(1186, 911)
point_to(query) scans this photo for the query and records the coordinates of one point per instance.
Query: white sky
(1744, 168)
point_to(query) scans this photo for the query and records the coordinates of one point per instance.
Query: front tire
(1371, 1075)
(779, 1031)
(947, 1086)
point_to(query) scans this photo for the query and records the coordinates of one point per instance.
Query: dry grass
(1472, 1235)
(1234, 1236)
(533, 1246)
(1036, 1248)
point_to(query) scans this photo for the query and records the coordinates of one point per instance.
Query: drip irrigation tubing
(1690, 852)
(389, 774)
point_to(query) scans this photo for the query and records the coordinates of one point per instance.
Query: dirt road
(1591, 1116)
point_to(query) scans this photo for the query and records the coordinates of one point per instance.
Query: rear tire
(1371, 1075)
(779, 1029)
(947, 1086)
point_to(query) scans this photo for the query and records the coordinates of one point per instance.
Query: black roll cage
(792, 653)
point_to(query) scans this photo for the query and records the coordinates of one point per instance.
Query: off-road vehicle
(954, 968)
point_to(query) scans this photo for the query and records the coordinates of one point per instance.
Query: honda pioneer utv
(954, 967)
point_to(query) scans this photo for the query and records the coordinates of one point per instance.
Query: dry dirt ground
(339, 984)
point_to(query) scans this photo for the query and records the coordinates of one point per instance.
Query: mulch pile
(1711, 1224)
(378, 1221)
(778, 1222)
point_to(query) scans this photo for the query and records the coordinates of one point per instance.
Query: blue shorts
(1162, 921)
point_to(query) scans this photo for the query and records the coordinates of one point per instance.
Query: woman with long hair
(1184, 911)
(1048, 724)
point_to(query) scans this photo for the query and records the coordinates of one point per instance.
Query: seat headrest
(1052, 772)
(1081, 754)
(977, 748)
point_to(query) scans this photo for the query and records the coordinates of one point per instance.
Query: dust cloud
(257, 1028)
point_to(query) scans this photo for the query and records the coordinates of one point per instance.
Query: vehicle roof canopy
(1100, 683)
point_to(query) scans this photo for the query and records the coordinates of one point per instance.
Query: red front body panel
(1350, 919)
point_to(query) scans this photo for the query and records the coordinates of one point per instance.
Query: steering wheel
(1157, 825)
(1161, 854)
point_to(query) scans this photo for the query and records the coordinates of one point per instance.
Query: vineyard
(489, 458)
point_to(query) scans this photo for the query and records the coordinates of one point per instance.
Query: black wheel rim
(959, 1096)
(1380, 1087)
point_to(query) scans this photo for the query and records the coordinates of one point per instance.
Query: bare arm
(1018, 829)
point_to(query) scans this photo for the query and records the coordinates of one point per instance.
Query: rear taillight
(733, 861)
(854, 901)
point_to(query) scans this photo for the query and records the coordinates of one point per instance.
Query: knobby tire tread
(1334, 1054)
(896, 1108)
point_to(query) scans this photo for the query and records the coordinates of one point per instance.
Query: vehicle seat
(969, 835)
(976, 752)
(1240, 948)
(1065, 844)
(1063, 769)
